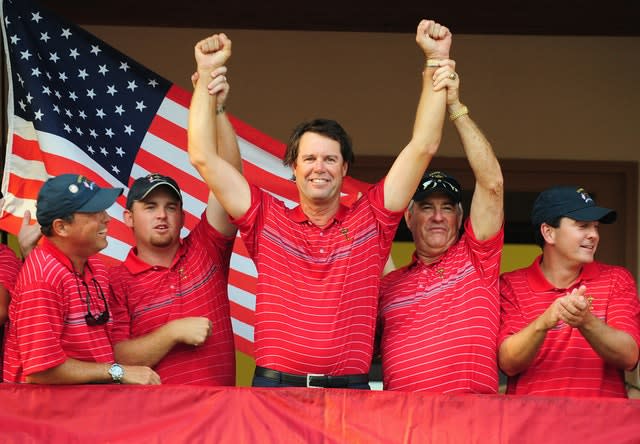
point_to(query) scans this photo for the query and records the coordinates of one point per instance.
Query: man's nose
(318, 165)
(437, 214)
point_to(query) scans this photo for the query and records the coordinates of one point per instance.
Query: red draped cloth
(176, 414)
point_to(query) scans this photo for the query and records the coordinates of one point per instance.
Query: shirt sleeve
(39, 328)
(216, 244)
(623, 311)
(387, 220)
(486, 254)
(511, 318)
(9, 268)
(121, 325)
(251, 222)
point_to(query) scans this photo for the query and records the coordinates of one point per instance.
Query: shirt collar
(135, 265)
(53, 250)
(538, 281)
(415, 260)
(297, 215)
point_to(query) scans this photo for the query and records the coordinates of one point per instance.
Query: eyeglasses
(90, 318)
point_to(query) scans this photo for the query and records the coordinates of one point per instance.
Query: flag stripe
(169, 131)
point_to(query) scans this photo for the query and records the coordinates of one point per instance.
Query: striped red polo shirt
(566, 365)
(317, 288)
(440, 320)
(47, 314)
(9, 268)
(147, 297)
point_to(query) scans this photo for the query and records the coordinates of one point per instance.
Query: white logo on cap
(585, 196)
(73, 188)
(432, 183)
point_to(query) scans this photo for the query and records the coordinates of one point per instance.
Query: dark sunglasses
(90, 318)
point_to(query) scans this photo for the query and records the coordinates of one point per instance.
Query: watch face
(116, 372)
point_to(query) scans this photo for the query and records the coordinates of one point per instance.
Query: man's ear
(127, 216)
(548, 233)
(408, 214)
(59, 227)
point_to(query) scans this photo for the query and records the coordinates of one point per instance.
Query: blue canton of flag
(71, 84)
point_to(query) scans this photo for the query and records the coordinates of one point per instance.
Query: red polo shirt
(317, 288)
(9, 268)
(440, 321)
(147, 297)
(47, 314)
(566, 365)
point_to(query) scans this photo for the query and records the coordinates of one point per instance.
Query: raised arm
(407, 169)
(226, 182)
(487, 207)
(227, 144)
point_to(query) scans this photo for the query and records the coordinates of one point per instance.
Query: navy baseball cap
(144, 185)
(433, 181)
(66, 194)
(569, 201)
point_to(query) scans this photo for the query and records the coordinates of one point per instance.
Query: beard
(162, 241)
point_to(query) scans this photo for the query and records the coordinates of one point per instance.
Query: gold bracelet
(432, 63)
(219, 109)
(461, 112)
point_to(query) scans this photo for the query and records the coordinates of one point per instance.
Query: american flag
(78, 105)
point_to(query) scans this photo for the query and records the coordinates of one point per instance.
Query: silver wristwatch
(117, 373)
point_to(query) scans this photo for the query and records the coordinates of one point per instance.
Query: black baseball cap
(66, 194)
(439, 181)
(569, 201)
(144, 185)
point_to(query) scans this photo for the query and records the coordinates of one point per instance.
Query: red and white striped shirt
(440, 320)
(317, 290)
(566, 365)
(47, 314)
(9, 268)
(147, 297)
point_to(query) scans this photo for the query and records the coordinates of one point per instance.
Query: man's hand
(446, 77)
(138, 374)
(576, 308)
(192, 331)
(434, 39)
(572, 309)
(29, 234)
(212, 52)
(218, 85)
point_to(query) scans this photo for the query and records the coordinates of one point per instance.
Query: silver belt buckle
(311, 375)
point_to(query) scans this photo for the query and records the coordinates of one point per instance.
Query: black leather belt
(312, 380)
